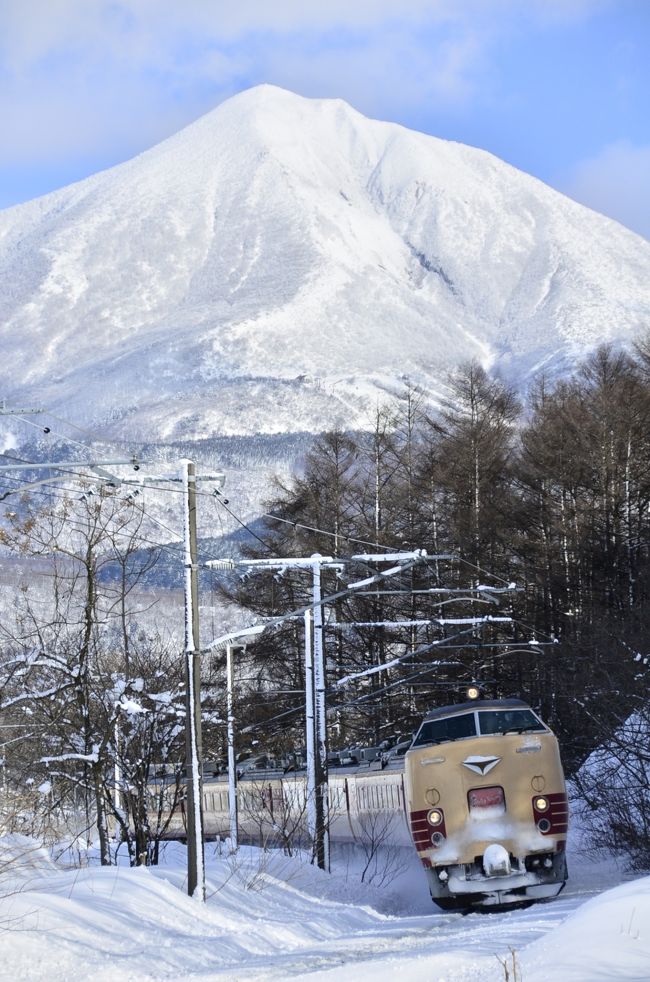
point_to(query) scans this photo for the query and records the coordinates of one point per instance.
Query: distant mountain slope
(278, 263)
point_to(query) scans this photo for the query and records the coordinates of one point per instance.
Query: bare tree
(375, 837)
(69, 663)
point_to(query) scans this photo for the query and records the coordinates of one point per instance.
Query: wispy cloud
(82, 76)
(615, 182)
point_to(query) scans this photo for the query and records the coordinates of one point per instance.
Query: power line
(63, 494)
(485, 572)
(333, 535)
(216, 495)
(94, 436)
(440, 644)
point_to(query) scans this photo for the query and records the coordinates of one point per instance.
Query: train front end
(487, 805)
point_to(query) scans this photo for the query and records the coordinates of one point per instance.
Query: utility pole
(232, 769)
(317, 796)
(194, 780)
(309, 728)
(193, 749)
(322, 837)
(193, 743)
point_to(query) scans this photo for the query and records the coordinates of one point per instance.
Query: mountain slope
(276, 263)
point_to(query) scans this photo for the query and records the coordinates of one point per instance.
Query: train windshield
(485, 722)
(443, 730)
(509, 721)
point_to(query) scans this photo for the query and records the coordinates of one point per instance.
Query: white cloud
(616, 182)
(102, 79)
(32, 29)
(565, 11)
(80, 77)
(383, 74)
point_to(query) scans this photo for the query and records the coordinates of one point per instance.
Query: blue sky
(559, 88)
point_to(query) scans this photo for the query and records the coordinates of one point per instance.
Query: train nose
(496, 861)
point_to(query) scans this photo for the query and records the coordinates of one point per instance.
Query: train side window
(443, 730)
(336, 795)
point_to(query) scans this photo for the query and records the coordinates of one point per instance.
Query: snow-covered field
(270, 917)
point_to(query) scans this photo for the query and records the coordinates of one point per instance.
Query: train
(487, 804)
(479, 792)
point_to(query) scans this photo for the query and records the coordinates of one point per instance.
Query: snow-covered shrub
(614, 788)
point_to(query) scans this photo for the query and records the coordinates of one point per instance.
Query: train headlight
(435, 817)
(540, 804)
(437, 839)
(473, 692)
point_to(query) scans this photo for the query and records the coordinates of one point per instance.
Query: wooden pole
(193, 748)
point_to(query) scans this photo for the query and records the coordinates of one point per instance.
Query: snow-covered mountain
(278, 263)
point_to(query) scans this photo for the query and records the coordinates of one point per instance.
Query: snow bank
(21, 858)
(612, 796)
(607, 938)
(271, 917)
(118, 923)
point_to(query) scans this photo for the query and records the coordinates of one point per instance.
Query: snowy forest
(551, 496)
(535, 516)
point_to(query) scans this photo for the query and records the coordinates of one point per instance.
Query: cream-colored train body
(367, 805)
(487, 804)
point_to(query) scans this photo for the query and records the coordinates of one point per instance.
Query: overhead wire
(485, 572)
(63, 493)
(112, 441)
(49, 432)
(333, 535)
(224, 504)
(217, 497)
(43, 485)
(440, 644)
(267, 515)
(173, 549)
(94, 436)
(429, 560)
(60, 493)
(79, 525)
(62, 468)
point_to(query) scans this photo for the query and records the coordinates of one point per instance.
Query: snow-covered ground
(270, 917)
